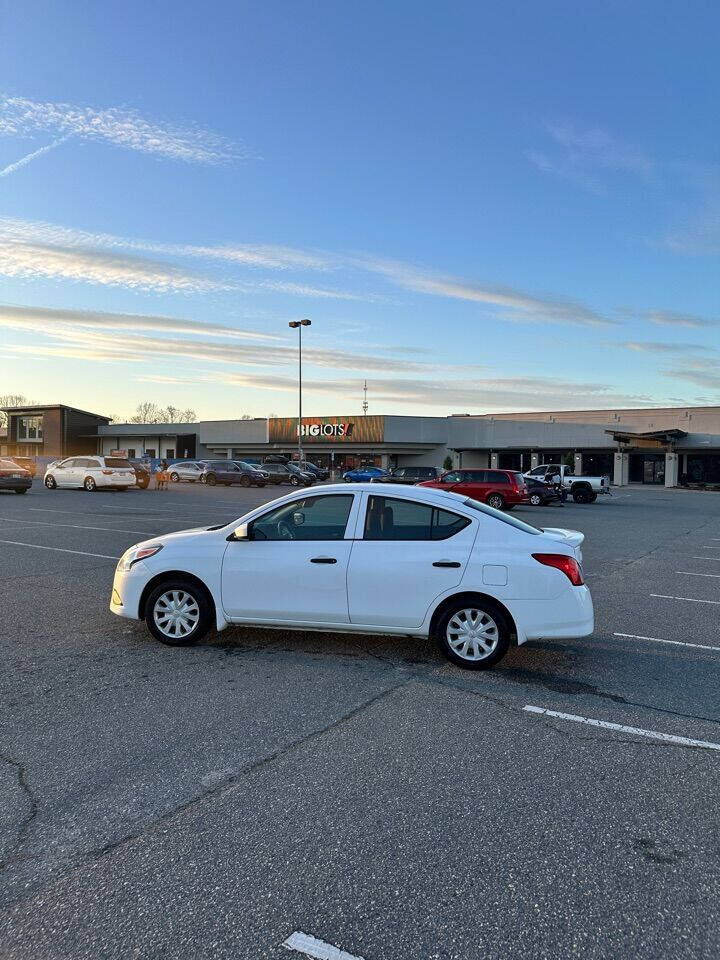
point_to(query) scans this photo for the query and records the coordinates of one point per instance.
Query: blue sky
(481, 207)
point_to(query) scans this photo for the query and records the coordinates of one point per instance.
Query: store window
(30, 428)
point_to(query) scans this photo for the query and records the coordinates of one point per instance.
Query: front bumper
(127, 590)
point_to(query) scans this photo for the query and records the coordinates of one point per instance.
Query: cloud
(24, 161)
(647, 346)
(37, 261)
(583, 156)
(703, 373)
(668, 318)
(120, 126)
(516, 304)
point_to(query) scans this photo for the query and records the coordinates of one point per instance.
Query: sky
(481, 207)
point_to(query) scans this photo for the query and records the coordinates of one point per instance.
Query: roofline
(35, 407)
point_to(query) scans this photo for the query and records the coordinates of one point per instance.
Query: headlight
(134, 554)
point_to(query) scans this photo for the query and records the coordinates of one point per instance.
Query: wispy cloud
(669, 318)
(655, 346)
(584, 156)
(28, 158)
(703, 373)
(120, 126)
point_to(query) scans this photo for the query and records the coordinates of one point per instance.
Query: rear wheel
(496, 501)
(90, 485)
(244, 481)
(582, 494)
(50, 482)
(474, 634)
(211, 480)
(175, 477)
(294, 481)
(536, 499)
(178, 612)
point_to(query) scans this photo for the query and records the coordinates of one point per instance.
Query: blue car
(364, 474)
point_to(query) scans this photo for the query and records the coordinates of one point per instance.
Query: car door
(294, 565)
(448, 480)
(473, 483)
(405, 555)
(65, 473)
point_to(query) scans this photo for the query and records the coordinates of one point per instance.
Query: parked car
(364, 474)
(91, 473)
(189, 470)
(583, 489)
(276, 458)
(421, 562)
(27, 463)
(300, 478)
(541, 492)
(248, 465)
(228, 472)
(277, 472)
(500, 489)
(14, 477)
(142, 473)
(409, 475)
(320, 473)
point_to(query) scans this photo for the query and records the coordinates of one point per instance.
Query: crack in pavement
(24, 826)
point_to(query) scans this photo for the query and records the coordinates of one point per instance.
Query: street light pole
(298, 325)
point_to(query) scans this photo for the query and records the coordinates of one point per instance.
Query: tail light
(568, 565)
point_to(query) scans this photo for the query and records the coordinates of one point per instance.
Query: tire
(261, 485)
(144, 485)
(193, 602)
(581, 495)
(89, 485)
(593, 497)
(211, 480)
(175, 478)
(496, 501)
(244, 481)
(24, 490)
(294, 481)
(203, 479)
(491, 631)
(535, 499)
(50, 482)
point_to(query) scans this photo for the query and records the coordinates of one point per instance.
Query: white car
(414, 562)
(90, 473)
(191, 470)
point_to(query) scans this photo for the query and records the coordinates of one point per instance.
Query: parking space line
(78, 526)
(37, 546)
(678, 643)
(623, 728)
(138, 518)
(664, 596)
(312, 947)
(689, 573)
(716, 559)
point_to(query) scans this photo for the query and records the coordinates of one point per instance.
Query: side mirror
(240, 533)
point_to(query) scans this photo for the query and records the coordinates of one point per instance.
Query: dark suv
(320, 472)
(228, 472)
(409, 475)
(142, 473)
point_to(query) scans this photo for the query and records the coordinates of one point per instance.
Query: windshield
(499, 515)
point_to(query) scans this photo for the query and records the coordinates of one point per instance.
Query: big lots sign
(326, 430)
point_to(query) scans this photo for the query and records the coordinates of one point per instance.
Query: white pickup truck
(582, 489)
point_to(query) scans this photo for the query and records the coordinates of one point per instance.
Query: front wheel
(294, 481)
(175, 477)
(496, 501)
(474, 635)
(535, 499)
(211, 480)
(50, 482)
(244, 481)
(178, 612)
(90, 485)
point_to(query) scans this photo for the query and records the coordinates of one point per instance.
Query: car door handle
(323, 560)
(447, 563)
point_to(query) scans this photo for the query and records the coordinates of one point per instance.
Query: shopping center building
(661, 445)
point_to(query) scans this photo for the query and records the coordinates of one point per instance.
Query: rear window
(9, 465)
(499, 515)
(115, 462)
(519, 479)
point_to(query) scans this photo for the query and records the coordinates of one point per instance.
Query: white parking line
(678, 643)
(717, 559)
(622, 728)
(37, 546)
(136, 518)
(312, 947)
(688, 573)
(664, 596)
(78, 526)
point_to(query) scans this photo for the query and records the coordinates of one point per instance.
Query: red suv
(502, 489)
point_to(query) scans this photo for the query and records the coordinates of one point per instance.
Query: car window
(313, 518)
(454, 477)
(113, 462)
(538, 472)
(475, 476)
(497, 476)
(401, 472)
(89, 463)
(387, 518)
(499, 515)
(425, 472)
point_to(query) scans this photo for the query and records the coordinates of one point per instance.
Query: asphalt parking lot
(220, 800)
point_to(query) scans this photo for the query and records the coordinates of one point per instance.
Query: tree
(11, 400)
(149, 412)
(447, 462)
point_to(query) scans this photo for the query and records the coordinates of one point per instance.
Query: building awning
(653, 440)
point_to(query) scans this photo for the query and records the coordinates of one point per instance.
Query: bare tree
(149, 412)
(11, 400)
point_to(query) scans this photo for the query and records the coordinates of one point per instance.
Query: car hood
(168, 539)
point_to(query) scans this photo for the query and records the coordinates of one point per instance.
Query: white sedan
(418, 562)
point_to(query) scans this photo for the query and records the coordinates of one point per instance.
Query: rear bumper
(568, 615)
(15, 483)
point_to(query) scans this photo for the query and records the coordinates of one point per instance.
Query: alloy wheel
(472, 634)
(176, 614)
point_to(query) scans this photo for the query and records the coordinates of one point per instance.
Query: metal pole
(300, 453)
